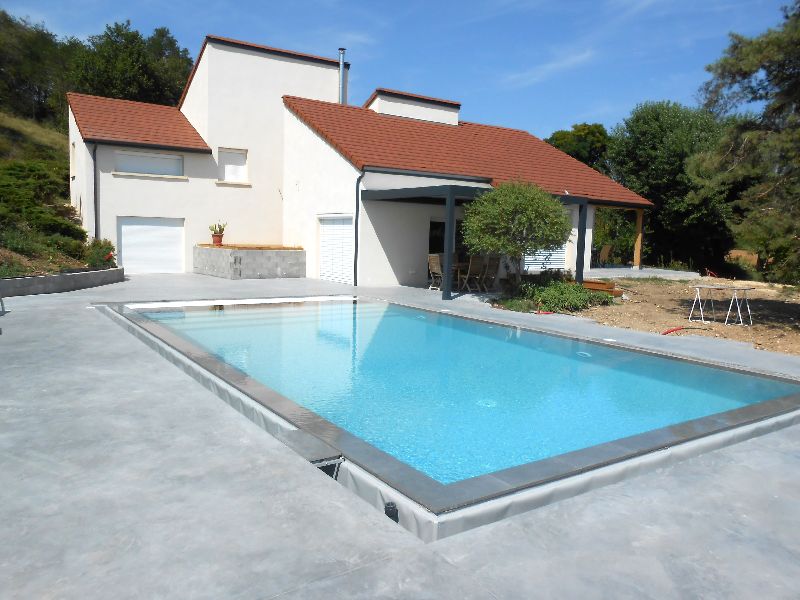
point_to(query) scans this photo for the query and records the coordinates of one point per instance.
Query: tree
(515, 219)
(586, 142)
(122, 63)
(171, 62)
(648, 153)
(756, 165)
(27, 66)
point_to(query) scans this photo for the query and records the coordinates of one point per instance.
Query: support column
(449, 244)
(581, 250)
(637, 246)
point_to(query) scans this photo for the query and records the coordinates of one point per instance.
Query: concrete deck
(120, 475)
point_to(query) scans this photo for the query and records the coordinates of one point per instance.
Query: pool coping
(329, 442)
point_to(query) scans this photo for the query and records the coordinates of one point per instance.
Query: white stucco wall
(245, 110)
(81, 183)
(414, 109)
(393, 242)
(317, 181)
(195, 102)
(196, 198)
(572, 244)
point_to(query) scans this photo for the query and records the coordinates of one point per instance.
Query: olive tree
(515, 219)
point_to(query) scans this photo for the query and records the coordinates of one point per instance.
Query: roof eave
(129, 144)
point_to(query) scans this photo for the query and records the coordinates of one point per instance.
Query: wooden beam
(637, 247)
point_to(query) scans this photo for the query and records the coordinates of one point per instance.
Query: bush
(66, 245)
(28, 243)
(99, 254)
(555, 296)
(515, 219)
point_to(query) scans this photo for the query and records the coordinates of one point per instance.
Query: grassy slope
(25, 140)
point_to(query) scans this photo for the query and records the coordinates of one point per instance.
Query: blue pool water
(456, 398)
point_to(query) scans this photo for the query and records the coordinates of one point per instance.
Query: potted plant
(217, 231)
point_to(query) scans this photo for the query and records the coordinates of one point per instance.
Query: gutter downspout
(95, 194)
(355, 227)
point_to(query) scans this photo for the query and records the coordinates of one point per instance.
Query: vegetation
(515, 219)
(39, 231)
(755, 167)
(37, 68)
(586, 142)
(553, 291)
(719, 175)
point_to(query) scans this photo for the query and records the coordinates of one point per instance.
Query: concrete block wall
(238, 263)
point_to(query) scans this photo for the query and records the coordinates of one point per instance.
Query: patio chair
(489, 276)
(472, 275)
(435, 272)
(602, 257)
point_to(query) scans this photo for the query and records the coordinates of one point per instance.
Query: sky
(530, 64)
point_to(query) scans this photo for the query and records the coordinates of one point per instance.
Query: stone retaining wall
(242, 263)
(62, 282)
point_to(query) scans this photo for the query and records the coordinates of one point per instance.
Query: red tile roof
(259, 48)
(369, 139)
(409, 95)
(128, 123)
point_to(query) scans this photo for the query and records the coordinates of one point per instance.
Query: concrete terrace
(120, 475)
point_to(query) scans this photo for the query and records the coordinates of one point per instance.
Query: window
(72, 160)
(147, 163)
(233, 165)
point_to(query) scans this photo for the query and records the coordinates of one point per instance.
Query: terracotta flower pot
(216, 238)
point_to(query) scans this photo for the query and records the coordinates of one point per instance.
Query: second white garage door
(150, 245)
(336, 249)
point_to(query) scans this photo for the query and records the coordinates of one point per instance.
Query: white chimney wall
(414, 108)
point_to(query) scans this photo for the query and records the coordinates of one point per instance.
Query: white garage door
(150, 245)
(336, 249)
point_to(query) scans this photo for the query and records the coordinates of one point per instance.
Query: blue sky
(532, 64)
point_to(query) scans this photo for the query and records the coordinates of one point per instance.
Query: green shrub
(25, 242)
(99, 254)
(66, 245)
(10, 267)
(555, 296)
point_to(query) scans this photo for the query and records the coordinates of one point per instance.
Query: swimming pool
(456, 399)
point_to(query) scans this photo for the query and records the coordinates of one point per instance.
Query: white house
(264, 140)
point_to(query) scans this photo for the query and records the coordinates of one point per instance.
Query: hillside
(23, 139)
(38, 230)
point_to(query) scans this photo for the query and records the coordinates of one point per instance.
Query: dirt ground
(656, 305)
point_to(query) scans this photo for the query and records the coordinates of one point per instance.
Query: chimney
(342, 90)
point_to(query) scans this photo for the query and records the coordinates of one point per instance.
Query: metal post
(582, 209)
(449, 243)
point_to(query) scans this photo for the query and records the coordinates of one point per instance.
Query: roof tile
(125, 122)
(370, 139)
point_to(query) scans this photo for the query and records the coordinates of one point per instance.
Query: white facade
(270, 177)
(235, 103)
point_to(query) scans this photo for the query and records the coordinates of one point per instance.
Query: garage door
(150, 245)
(336, 249)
